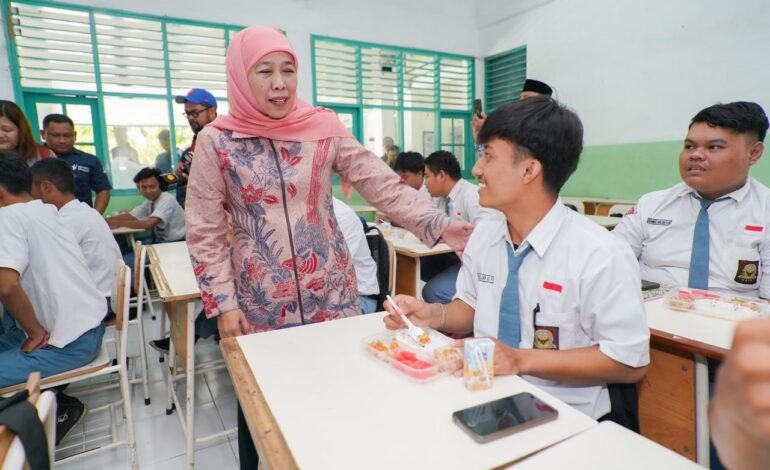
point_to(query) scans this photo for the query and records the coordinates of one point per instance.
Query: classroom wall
(636, 72)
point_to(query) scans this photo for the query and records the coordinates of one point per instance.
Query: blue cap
(198, 96)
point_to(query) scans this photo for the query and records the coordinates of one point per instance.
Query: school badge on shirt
(747, 272)
(546, 337)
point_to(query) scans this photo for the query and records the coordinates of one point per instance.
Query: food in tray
(403, 354)
(430, 340)
(424, 338)
(715, 305)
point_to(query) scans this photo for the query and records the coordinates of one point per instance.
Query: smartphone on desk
(509, 415)
(649, 285)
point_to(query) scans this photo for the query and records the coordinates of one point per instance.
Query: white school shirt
(660, 231)
(35, 243)
(96, 241)
(355, 238)
(585, 282)
(171, 227)
(464, 203)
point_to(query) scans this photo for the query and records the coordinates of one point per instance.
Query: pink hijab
(303, 122)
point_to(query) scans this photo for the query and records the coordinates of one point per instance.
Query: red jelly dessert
(408, 363)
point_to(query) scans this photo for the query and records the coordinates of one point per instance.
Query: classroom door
(456, 138)
(83, 111)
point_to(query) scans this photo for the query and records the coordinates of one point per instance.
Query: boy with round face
(559, 295)
(675, 232)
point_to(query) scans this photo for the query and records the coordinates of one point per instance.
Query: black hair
(393, 147)
(742, 117)
(441, 160)
(57, 118)
(15, 176)
(148, 172)
(542, 128)
(411, 162)
(57, 171)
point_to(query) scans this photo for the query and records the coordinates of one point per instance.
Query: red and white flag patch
(754, 228)
(552, 286)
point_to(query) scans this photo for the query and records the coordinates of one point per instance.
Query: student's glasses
(194, 114)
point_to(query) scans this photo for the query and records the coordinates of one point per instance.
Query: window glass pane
(84, 126)
(420, 132)
(459, 131)
(133, 125)
(183, 132)
(446, 130)
(378, 124)
(44, 109)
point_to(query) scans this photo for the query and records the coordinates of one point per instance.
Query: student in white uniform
(54, 183)
(712, 230)
(410, 167)
(363, 263)
(571, 320)
(459, 199)
(47, 288)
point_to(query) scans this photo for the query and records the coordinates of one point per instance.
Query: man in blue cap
(200, 109)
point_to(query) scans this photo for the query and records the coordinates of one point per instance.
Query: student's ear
(42, 134)
(755, 152)
(532, 168)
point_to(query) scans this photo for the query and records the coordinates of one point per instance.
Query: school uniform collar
(738, 195)
(542, 235)
(453, 194)
(70, 204)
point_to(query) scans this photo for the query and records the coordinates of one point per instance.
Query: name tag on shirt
(665, 222)
(84, 169)
(488, 278)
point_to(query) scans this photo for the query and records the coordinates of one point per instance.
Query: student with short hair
(160, 212)
(44, 283)
(711, 231)
(54, 183)
(60, 136)
(458, 199)
(571, 319)
(410, 167)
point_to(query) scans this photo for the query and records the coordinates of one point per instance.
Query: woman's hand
(419, 312)
(233, 323)
(457, 235)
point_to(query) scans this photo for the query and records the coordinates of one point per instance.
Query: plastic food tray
(712, 304)
(397, 351)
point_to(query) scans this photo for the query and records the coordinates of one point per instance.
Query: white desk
(607, 446)
(409, 251)
(314, 400)
(172, 271)
(128, 232)
(680, 343)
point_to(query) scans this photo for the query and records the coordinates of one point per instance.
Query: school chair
(103, 366)
(384, 255)
(574, 204)
(13, 454)
(619, 210)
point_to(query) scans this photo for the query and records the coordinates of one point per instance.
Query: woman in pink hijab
(270, 163)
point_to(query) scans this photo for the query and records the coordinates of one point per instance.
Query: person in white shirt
(571, 320)
(733, 243)
(459, 199)
(160, 212)
(45, 284)
(410, 167)
(363, 263)
(54, 183)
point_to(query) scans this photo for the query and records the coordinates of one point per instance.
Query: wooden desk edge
(164, 292)
(265, 432)
(693, 346)
(154, 259)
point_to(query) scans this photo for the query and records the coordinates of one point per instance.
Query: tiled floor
(159, 440)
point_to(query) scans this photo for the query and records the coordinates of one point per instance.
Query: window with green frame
(127, 66)
(504, 76)
(396, 92)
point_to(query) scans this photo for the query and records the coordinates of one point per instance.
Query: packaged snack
(479, 365)
(399, 351)
(728, 307)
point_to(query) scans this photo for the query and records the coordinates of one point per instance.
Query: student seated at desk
(571, 320)
(363, 263)
(410, 167)
(54, 183)
(46, 286)
(459, 199)
(718, 205)
(160, 212)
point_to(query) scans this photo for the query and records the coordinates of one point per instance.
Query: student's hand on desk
(36, 341)
(740, 410)
(457, 235)
(419, 312)
(233, 323)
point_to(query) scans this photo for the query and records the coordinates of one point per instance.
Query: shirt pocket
(743, 264)
(555, 326)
